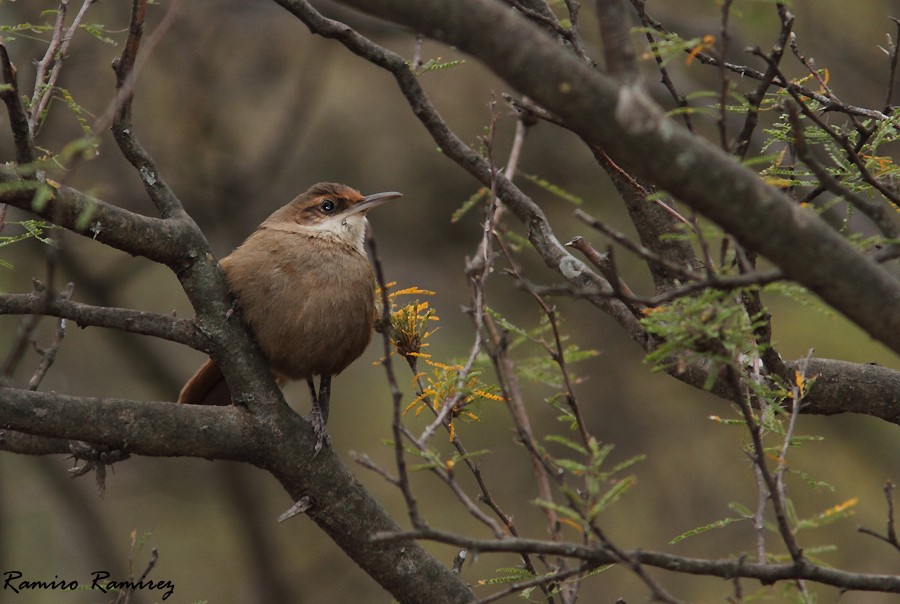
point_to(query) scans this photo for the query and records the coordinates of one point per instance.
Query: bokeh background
(242, 108)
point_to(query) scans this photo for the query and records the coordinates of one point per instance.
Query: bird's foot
(318, 425)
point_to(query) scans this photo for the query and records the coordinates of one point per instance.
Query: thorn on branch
(459, 560)
(300, 507)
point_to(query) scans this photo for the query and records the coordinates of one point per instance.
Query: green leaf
(478, 197)
(559, 509)
(437, 65)
(712, 525)
(556, 438)
(554, 189)
(33, 229)
(612, 496)
(571, 466)
(627, 464)
(97, 31)
(511, 576)
(832, 514)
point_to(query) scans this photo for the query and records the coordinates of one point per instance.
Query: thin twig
(893, 53)
(547, 20)
(891, 536)
(638, 249)
(18, 117)
(48, 354)
(724, 83)
(755, 98)
(402, 479)
(125, 595)
(649, 23)
(556, 351)
(49, 67)
(759, 459)
(546, 582)
(118, 114)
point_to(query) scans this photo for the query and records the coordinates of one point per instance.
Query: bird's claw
(318, 425)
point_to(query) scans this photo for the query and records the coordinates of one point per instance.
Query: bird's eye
(327, 206)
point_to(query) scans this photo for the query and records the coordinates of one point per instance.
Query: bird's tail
(206, 387)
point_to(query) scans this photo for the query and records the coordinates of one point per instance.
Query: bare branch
(615, 30)
(182, 331)
(540, 233)
(755, 98)
(50, 66)
(402, 480)
(166, 241)
(127, 69)
(890, 537)
(650, 23)
(18, 117)
(134, 426)
(48, 354)
(726, 569)
(894, 54)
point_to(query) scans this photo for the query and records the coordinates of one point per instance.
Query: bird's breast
(309, 302)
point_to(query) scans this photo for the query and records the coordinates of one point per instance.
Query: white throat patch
(348, 230)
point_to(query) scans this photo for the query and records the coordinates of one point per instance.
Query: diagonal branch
(635, 132)
(126, 68)
(18, 117)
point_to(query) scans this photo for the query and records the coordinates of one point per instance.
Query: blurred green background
(242, 108)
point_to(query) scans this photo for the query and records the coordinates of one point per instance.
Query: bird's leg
(324, 396)
(319, 413)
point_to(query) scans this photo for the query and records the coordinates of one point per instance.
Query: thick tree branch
(166, 241)
(142, 427)
(340, 505)
(844, 387)
(182, 331)
(31, 444)
(615, 33)
(635, 132)
(841, 387)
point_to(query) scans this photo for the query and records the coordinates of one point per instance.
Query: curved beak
(371, 201)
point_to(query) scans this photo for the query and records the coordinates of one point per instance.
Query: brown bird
(306, 289)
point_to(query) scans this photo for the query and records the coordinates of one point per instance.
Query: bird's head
(329, 210)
